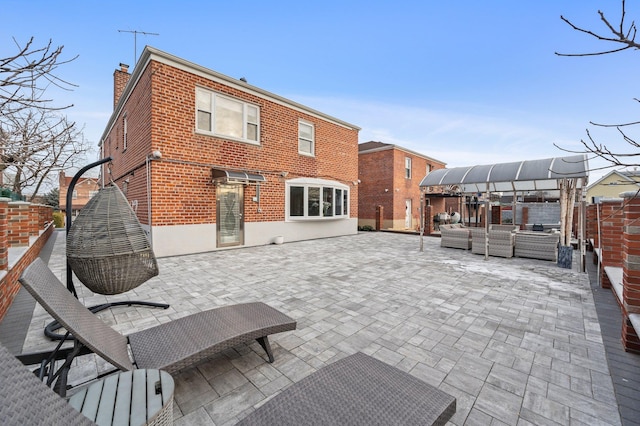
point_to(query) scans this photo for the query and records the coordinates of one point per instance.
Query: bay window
(309, 198)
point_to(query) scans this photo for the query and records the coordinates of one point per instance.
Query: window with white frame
(316, 199)
(306, 138)
(221, 115)
(407, 167)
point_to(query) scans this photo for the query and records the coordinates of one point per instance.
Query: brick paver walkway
(516, 341)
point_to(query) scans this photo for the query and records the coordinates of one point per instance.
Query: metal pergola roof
(528, 175)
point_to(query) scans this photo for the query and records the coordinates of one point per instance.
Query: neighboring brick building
(389, 189)
(85, 188)
(209, 161)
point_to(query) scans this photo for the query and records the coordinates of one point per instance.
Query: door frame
(222, 189)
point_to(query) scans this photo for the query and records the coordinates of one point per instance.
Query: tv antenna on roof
(135, 42)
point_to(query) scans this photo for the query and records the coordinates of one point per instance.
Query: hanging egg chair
(107, 247)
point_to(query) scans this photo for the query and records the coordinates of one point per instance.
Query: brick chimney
(120, 80)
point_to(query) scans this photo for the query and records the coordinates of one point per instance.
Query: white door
(407, 214)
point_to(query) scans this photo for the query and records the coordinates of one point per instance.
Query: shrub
(58, 219)
(365, 228)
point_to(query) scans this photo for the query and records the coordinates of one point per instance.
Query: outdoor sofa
(455, 236)
(501, 240)
(537, 245)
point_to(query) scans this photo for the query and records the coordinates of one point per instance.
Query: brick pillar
(4, 230)
(42, 215)
(592, 224)
(631, 270)
(428, 220)
(525, 217)
(611, 243)
(496, 215)
(34, 216)
(19, 224)
(379, 217)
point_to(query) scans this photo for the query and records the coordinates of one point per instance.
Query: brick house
(85, 188)
(389, 189)
(209, 162)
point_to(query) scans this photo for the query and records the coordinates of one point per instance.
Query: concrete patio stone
(516, 341)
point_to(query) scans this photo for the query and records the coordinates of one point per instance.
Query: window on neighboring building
(124, 133)
(306, 138)
(93, 194)
(228, 117)
(75, 194)
(312, 199)
(407, 167)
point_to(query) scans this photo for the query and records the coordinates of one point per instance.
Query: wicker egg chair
(107, 248)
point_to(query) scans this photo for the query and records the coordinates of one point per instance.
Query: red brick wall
(631, 272)
(611, 243)
(9, 285)
(34, 217)
(385, 170)
(631, 255)
(19, 224)
(592, 224)
(161, 116)
(4, 237)
(375, 174)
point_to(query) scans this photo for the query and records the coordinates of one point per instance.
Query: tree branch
(625, 37)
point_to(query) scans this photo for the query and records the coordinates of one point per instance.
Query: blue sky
(466, 82)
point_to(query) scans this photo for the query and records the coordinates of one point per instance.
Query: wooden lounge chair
(171, 346)
(356, 390)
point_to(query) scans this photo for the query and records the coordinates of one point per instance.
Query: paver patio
(516, 341)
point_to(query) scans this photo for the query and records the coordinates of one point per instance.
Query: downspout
(148, 166)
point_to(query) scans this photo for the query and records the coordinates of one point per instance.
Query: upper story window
(306, 138)
(221, 115)
(407, 167)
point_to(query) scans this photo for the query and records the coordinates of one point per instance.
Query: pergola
(566, 175)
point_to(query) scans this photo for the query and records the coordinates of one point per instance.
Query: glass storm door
(407, 214)
(230, 209)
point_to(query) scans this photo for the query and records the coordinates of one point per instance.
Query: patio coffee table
(135, 398)
(356, 390)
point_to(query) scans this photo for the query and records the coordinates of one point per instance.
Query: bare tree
(34, 139)
(622, 34)
(26, 75)
(37, 143)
